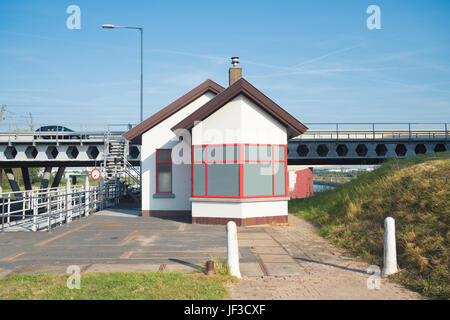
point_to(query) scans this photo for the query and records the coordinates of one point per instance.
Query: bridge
(322, 144)
(366, 143)
(88, 146)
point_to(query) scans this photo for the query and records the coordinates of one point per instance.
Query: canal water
(320, 187)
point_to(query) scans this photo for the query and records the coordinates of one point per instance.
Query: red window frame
(156, 170)
(241, 161)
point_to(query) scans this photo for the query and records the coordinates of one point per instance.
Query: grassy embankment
(116, 286)
(416, 193)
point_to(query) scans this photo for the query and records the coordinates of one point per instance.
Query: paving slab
(117, 267)
(46, 268)
(276, 258)
(253, 236)
(185, 268)
(5, 273)
(269, 250)
(251, 269)
(285, 269)
(257, 243)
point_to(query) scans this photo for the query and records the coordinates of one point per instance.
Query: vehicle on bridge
(58, 129)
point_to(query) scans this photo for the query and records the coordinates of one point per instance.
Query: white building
(216, 155)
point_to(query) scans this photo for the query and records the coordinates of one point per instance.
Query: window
(239, 171)
(163, 171)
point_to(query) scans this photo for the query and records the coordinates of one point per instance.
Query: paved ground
(277, 262)
(326, 271)
(115, 239)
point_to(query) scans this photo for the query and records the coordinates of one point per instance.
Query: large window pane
(265, 153)
(254, 153)
(200, 179)
(164, 179)
(199, 153)
(279, 178)
(223, 179)
(251, 153)
(231, 153)
(258, 179)
(215, 153)
(279, 152)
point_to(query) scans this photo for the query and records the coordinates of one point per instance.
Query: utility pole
(1, 113)
(31, 122)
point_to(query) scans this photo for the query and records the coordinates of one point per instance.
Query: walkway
(277, 262)
(322, 271)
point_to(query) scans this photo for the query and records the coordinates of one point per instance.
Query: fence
(384, 131)
(39, 209)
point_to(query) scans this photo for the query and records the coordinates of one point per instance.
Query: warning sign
(95, 174)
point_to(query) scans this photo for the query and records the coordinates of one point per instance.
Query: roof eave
(166, 112)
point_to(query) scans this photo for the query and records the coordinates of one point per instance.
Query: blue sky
(316, 59)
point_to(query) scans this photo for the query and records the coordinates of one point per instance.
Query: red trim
(192, 159)
(286, 173)
(241, 162)
(273, 172)
(163, 162)
(241, 170)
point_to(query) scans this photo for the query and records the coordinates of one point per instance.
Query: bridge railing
(413, 131)
(80, 132)
(38, 209)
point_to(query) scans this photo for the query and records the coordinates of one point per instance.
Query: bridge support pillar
(58, 177)
(12, 180)
(26, 178)
(46, 177)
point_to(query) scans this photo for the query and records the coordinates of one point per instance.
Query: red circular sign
(95, 174)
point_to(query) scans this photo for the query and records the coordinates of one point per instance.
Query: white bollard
(233, 249)
(390, 252)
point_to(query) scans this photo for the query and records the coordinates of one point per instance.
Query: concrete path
(116, 240)
(277, 262)
(299, 264)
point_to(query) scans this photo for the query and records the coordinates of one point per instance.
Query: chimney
(235, 71)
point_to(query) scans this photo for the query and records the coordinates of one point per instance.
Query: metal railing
(81, 133)
(402, 131)
(38, 209)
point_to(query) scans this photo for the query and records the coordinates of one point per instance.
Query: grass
(116, 286)
(415, 192)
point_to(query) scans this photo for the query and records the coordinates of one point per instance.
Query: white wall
(239, 121)
(162, 137)
(242, 210)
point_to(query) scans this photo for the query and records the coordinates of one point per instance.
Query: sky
(316, 59)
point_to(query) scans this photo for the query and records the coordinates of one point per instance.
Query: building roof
(242, 86)
(172, 108)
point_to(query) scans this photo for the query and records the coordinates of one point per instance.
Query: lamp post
(111, 26)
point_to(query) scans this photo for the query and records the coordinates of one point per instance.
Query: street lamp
(111, 26)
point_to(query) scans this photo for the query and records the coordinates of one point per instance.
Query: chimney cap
(234, 61)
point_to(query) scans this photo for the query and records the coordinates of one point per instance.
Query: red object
(241, 161)
(95, 174)
(304, 185)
